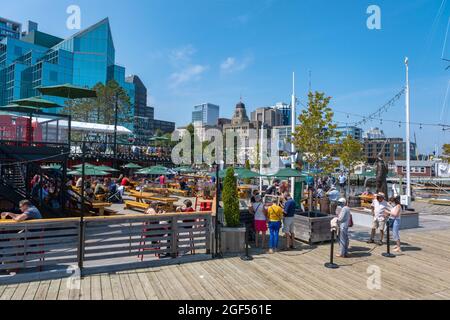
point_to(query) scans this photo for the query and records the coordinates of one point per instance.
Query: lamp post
(293, 115)
(116, 115)
(408, 138)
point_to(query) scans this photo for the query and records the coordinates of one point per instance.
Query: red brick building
(418, 168)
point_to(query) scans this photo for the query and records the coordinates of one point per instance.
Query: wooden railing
(107, 241)
(38, 244)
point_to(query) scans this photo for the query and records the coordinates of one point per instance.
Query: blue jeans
(396, 229)
(274, 228)
(343, 240)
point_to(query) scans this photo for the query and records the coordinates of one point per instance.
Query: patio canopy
(68, 91)
(288, 173)
(36, 102)
(132, 166)
(89, 171)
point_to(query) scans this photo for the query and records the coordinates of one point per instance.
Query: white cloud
(190, 73)
(231, 64)
(182, 55)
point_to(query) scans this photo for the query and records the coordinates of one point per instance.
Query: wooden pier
(421, 272)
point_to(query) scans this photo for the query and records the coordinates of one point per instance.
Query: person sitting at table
(162, 180)
(187, 207)
(29, 212)
(99, 188)
(125, 182)
(367, 192)
(183, 185)
(89, 192)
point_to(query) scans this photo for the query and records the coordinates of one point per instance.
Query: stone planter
(363, 218)
(232, 240)
(313, 228)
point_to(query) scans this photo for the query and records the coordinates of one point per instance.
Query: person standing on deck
(395, 217)
(343, 221)
(260, 216)
(379, 206)
(274, 216)
(288, 221)
(342, 181)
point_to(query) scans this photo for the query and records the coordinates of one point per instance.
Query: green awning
(20, 109)
(68, 91)
(156, 170)
(36, 102)
(106, 168)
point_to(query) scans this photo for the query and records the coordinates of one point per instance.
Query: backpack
(350, 221)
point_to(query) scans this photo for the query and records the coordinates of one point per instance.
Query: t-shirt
(289, 208)
(259, 211)
(342, 179)
(379, 208)
(275, 213)
(33, 213)
(333, 195)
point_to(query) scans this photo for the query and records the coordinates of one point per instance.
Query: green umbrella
(21, 109)
(89, 171)
(243, 173)
(52, 167)
(68, 91)
(132, 166)
(184, 170)
(36, 102)
(106, 168)
(288, 173)
(156, 170)
(86, 165)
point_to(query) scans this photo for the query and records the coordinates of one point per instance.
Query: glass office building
(9, 28)
(206, 114)
(40, 59)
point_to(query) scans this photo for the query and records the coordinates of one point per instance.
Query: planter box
(314, 228)
(362, 217)
(232, 240)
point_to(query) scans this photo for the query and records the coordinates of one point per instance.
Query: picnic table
(100, 206)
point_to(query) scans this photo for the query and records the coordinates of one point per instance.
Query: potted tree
(233, 234)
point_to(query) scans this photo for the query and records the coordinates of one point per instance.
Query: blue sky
(189, 52)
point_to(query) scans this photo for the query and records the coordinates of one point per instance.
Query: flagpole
(408, 138)
(293, 118)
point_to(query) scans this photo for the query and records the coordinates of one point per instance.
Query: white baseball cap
(342, 200)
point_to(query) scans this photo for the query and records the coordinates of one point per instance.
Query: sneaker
(270, 251)
(380, 243)
(371, 241)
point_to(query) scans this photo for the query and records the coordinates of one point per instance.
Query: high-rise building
(10, 29)
(355, 132)
(269, 116)
(206, 114)
(390, 149)
(286, 113)
(374, 133)
(145, 124)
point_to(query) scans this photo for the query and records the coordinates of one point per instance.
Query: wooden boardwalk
(421, 272)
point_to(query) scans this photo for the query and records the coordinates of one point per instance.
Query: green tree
(446, 149)
(231, 199)
(351, 153)
(315, 131)
(248, 167)
(102, 108)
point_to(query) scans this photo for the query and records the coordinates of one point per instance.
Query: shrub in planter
(230, 199)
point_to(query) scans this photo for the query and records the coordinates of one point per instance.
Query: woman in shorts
(260, 214)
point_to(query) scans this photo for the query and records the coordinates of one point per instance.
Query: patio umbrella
(68, 91)
(86, 165)
(106, 168)
(288, 173)
(52, 167)
(184, 170)
(36, 102)
(132, 166)
(21, 109)
(243, 173)
(156, 170)
(89, 171)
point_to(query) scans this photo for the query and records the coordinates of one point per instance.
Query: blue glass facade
(39, 59)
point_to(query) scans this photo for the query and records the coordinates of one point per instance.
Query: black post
(217, 253)
(81, 243)
(331, 264)
(116, 111)
(388, 253)
(247, 256)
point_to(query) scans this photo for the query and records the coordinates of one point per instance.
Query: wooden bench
(136, 205)
(100, 206)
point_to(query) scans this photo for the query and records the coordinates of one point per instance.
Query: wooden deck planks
(421, 272)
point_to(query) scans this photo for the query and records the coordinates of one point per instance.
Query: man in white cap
(379, 207)
(343, 221)
(333, 195)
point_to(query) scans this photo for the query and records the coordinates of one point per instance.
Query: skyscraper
(9, 28)
(145, 124)
(205, 114)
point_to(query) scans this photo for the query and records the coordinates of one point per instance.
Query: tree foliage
(446, 149)
(231, 199)
(102, 108)
(351, 152)
(315, 131)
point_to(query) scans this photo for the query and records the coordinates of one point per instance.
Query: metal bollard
(247, 256)
(331, 264)
(388, 253)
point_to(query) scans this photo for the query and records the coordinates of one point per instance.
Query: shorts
(396, 229)
(378, 225)
(289, 225)
(260, 226)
